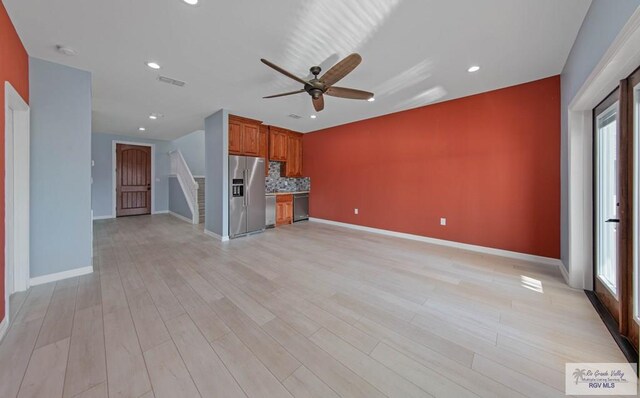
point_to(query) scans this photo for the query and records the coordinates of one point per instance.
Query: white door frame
(114, 143)
(620, 60)
(16, 255)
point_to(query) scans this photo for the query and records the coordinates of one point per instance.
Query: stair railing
(189, 186)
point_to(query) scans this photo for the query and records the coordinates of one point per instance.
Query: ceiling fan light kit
(318, 86)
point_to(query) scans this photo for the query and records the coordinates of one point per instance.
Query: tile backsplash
(275, 183)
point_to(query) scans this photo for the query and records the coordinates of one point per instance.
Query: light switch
(443, 221)
(355, 211)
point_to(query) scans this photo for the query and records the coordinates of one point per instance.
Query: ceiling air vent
(294, 116)
(169, 80)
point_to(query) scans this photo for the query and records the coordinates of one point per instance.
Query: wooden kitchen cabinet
(245, 136)
(251, 140)
(235, 137)
(278, 141)
(284, 209)
(293, 167)
(264, 149)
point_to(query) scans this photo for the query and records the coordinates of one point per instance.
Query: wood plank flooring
(306, 310)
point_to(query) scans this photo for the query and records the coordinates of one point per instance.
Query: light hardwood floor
(306, 310)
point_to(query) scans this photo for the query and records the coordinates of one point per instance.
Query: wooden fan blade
(284, 72)
(318, 103)
(341, 69)
(350, 93)
(283, 94)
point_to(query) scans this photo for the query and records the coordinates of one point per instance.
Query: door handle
(244, 178)
(246, 189)
(613, 220)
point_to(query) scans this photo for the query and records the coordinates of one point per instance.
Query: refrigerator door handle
(246, 192)
(246, 182)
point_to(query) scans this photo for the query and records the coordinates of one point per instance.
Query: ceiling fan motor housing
(313, 91)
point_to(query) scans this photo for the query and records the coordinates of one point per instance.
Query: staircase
(200, 181)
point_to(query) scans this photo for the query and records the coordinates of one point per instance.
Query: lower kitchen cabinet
(284, 209)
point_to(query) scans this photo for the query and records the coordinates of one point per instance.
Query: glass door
(607, 203)
(616, 211)
(633, 312)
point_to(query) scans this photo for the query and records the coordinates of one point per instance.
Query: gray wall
(192, 148)
(177, 202)
(603, 22)
(60, 226)
(216, 145)
(102, 172)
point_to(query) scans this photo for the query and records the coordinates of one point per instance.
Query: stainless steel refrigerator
(246, 195)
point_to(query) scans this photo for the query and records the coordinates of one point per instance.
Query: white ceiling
(415, 52)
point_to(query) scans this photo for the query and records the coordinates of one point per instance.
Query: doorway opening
(16, 195)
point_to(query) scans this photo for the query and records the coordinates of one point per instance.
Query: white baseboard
(102, 217)
(161, 212)
(181, 217)
(564, 272)
(4, 326)
(465, 246)
(39, 280)
(215, 235)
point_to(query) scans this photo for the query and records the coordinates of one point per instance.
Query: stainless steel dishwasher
(300, 207)
(270, 213)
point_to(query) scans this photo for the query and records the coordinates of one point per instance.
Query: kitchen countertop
(284, 193)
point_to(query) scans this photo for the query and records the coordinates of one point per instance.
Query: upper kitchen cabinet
(245, 136)
(263, 152)
(293, 166)
(235, 137)
(278, 142)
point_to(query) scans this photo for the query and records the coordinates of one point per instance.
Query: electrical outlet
(443, 221)
(355, 211)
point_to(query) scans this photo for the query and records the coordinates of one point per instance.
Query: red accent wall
(14, 68)
(488, 163)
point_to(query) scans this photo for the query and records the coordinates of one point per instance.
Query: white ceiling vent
(169, 80)
(294, 116)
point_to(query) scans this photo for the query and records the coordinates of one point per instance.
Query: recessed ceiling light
(313, 116)
(191, 2)
(141, 129)
(153, 65)
(371, 99)
(153, 117)
(473, 68)
(65, 50)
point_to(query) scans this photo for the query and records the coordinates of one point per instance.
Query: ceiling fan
(317, 87)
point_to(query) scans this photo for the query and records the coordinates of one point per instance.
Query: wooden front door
(133, 180)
